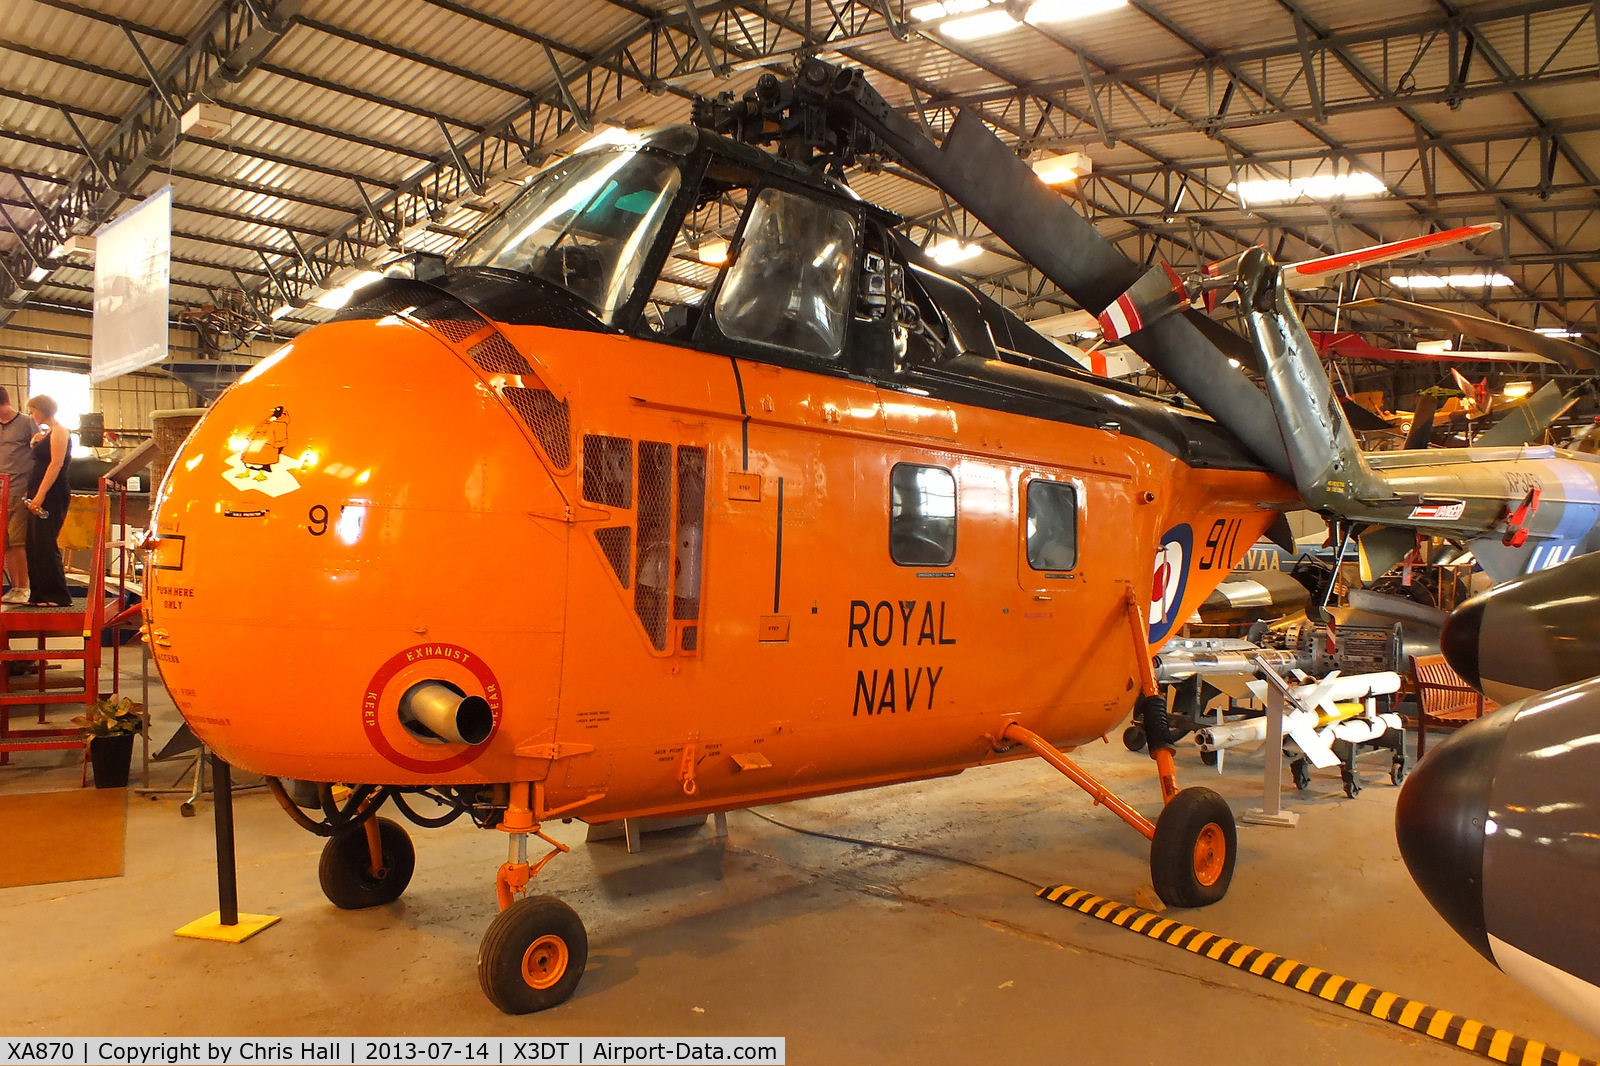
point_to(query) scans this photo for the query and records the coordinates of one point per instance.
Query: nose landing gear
(534, 952)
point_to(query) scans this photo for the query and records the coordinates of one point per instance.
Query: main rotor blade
(1570, 355)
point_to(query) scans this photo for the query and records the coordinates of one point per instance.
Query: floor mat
(62, 836)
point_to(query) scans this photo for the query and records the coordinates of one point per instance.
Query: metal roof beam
(227, 41)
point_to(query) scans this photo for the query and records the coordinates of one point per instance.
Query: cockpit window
(586, 224)
(789, 284)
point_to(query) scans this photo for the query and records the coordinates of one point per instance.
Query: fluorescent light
(333, 299)
(1065, 10)
(984, 24)
(1234, 363)
(1557, 331)
(38, 274)
(713, 252)
(1060, 169)
(1317, 187)
(1436, 347)
(949, 252)
(1450, 281)
(336, 298)
(281, 310)
(1516, 390)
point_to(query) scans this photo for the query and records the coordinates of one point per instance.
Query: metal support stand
(1271, 811)
(225, 923)
(719, 825)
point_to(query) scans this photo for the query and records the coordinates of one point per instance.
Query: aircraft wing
(1565, 352)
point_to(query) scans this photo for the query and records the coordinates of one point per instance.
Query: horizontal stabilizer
(1527, 422)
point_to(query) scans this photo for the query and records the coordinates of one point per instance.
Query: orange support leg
(1097, 792)
(374, 847)
(511, 880)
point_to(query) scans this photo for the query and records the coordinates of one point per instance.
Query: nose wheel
(352, 880)
(532, 955)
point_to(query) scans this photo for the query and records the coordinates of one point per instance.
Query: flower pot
(111, 757)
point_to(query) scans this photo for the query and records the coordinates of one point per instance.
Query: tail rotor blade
(1158, 293)
(1421, 422)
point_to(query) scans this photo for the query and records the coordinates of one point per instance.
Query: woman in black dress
(48, 497)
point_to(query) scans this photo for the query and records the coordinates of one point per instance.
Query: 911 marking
(44, 1051)
(1219, 542)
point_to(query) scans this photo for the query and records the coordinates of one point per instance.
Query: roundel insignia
(1170, 580)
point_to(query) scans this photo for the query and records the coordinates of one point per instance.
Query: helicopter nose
(1441, 823)
(1459, 640)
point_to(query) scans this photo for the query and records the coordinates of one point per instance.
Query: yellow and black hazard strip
(1441, 1025)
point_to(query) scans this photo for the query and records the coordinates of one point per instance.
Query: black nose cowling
(1459, 640)
(1439, 822)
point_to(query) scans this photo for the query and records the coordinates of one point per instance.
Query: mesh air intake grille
(547, 417)
(652, 572)
(495, 355)
(691, 531)
(608, 470)
(616, 542)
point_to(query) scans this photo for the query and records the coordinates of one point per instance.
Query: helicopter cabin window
(922, 515)
(585, 224)
(1052, 525)
(790, 283)
(699, 251)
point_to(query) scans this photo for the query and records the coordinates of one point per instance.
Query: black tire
(1352, 786)
(1208, 757)
(1300, 770)
(1133, 738)
(1192, 855)
(532, 955)
(346, 867)
(1397, 770)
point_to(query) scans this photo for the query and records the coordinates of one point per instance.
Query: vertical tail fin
(1328, 466)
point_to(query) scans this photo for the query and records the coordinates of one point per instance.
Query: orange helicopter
(590, 524)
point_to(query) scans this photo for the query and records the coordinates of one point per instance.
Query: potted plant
(109, 726)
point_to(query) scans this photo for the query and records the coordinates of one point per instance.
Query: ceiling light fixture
(1316, 187)
(949, 252)
(1516, 390)
(984, 24)
(1450, 281)
(1060, 169)
(1557, 331)
(712, 252)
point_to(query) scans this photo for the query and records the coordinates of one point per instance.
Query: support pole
(222, 811)
(1271, 811)
(225, 923)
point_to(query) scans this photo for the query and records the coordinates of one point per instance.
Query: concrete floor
(853, 954)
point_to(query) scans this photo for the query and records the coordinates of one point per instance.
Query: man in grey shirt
(16, 461)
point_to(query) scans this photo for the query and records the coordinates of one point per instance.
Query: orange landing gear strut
(521, 821)
(1155, 705)
(534, 952)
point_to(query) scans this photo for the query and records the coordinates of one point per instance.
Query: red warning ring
(452, 653)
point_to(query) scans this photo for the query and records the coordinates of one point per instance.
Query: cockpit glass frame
(586, 224)
(792, 278)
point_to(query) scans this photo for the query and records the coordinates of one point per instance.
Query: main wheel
(1133, 738)
(346, 867)
(1191, 856)
(532, 955)
(1208, 757)
(1300, 770)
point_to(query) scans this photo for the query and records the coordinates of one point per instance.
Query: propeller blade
(1315, 272)
(1157, 294)
(1570, 355)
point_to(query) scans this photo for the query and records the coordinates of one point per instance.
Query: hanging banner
(132, 282)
